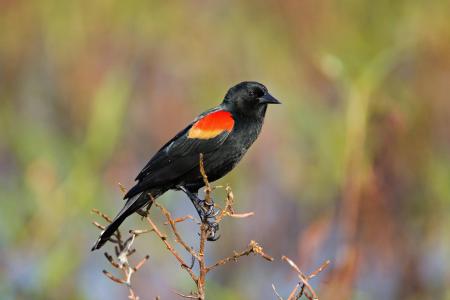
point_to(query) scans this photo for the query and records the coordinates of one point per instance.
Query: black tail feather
(132, 205)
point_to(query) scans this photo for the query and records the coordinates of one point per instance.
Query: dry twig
(302, 288)
(123, 249)
(198, 256)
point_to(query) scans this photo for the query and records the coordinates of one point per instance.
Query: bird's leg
(145, 210)
(196, 201)
(142, 212)
(206, 208)
(206, 213)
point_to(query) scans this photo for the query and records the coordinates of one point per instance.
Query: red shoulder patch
(212, 125)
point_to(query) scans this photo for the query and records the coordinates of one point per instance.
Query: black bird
(222, 134)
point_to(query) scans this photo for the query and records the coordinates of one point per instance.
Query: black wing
(177, 157)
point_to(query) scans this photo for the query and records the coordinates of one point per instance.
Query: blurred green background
(353, 167)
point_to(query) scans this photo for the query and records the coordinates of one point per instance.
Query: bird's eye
(255, 92)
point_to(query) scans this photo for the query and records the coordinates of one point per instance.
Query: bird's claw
(213, 227)
(209, 218)
(210, 211)
(207, 212)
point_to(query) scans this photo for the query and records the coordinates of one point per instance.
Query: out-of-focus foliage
(353, 167)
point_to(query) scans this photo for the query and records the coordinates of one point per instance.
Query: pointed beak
(268, 99)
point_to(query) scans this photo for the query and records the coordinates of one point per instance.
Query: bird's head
(248, 98)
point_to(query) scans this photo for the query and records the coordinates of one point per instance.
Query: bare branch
(171, 249)
(113, 278)
(242, 216)
(102, 215)
(181, 219)
(319, 269)
(305, 288)
(141, 263)
(208, 188)
(252, 248)
(98, 225)
(123, 249)
(191, 296)
(276, 293)
(178, 238)
(293, 295)
(122, 188)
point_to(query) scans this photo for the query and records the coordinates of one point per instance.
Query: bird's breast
(233, 149)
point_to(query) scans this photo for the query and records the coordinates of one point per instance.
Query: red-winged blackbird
(223, 134)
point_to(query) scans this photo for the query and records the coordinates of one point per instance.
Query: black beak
(268, 99)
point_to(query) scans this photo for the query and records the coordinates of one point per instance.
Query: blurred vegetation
(354, 167)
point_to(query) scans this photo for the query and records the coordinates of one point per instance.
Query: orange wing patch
(212, 125)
